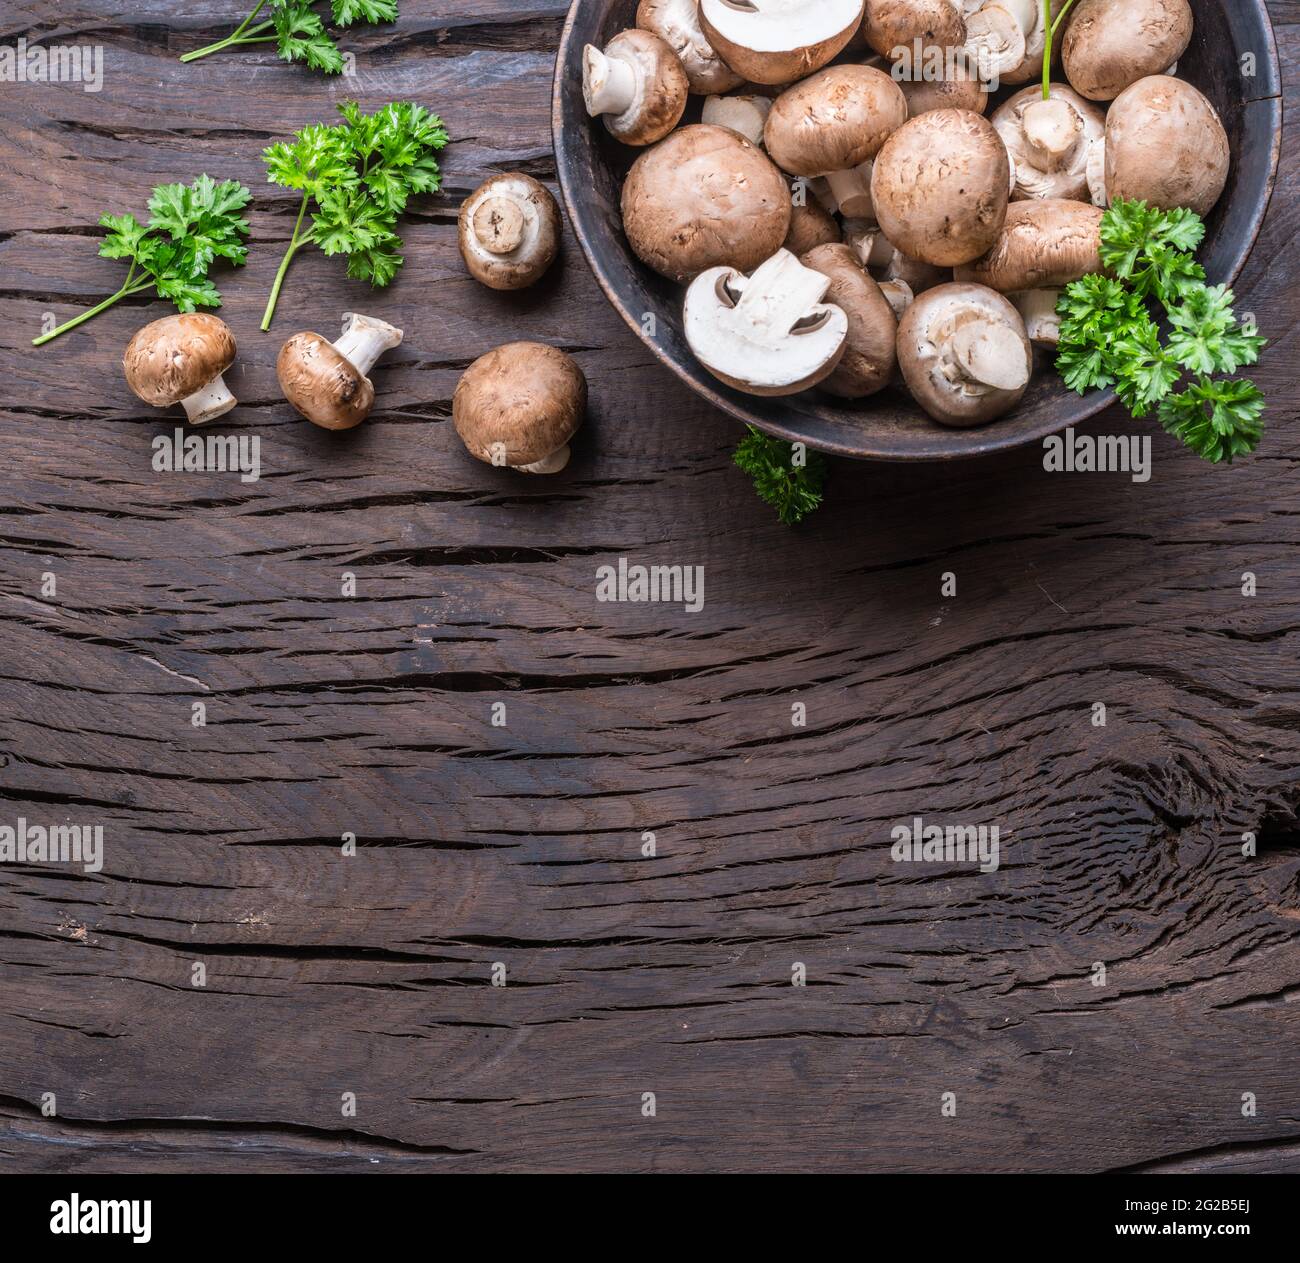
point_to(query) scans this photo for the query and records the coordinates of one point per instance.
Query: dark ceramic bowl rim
(950, 445)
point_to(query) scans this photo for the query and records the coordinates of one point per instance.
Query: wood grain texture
(521, 845)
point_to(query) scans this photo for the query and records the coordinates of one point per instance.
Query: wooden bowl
(890, 426)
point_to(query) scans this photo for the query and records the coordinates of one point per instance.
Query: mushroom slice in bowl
(769, 333)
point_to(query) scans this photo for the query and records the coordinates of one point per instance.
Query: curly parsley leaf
(357, 177)
(793, 487)
(301, 36)
(346, 12)
(1219, 420)
(190, 227)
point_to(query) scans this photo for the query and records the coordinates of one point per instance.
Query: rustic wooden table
(519, 848)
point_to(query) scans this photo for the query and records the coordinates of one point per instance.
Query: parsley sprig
(793, 488)
(190, 227)
(1110, 336)
(359, 174)
(299, 32)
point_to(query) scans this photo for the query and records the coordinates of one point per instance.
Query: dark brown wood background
(521, 845)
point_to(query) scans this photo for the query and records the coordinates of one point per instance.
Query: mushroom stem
(898, 294)
(499, 225)
(1038, 308)
(608, 84)
(364, 340)
(781, 292)
(205, 405)
(552, 464)
(991, 354)
(852, 191)
(1052, 131)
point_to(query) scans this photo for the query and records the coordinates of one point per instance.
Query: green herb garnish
(189, 229)
(792, 484)
(299, 32)
(360, 175)
(1110, 336)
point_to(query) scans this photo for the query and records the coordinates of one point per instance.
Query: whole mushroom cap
(703, 198)
(962, 90)
(516, 405)
(893, 24)
(869, 357)
(677, 23)
(835, 120)
(1166, 145)
(941, 185)
(509, 231)
(1045, 244)
(176, 356)
(1111, 44)
(810, 227)
(322, 385)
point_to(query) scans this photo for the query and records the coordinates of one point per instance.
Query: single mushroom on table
(677, 23)
(964, 354)
(703, 198)
(779, 41)
(1111, 44)
(329, 383)
(941, 185)
(509, 231)
(181, 359)
(1052, 141)
(769, 333)
(519, 406)
(870, 356)
(742, 112)
(1166, 146)
(832, 125)
(638, 84)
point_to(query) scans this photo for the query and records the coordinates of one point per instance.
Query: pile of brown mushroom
(844, 220)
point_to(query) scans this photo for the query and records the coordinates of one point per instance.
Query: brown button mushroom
(517, 407)
(941, 186)
(329, 383)
(1111, 44)
(1166, 145)
(964, 354)
(832, 125)
(638, 84)
(779, 42)
(180, 359)
(961, 89)
(1050, 141)
(509, 231)
(703, 198)
(766, 334)
(810, 227)
(677, 23)
(1043, 245)
(892, 27)
(870, 355)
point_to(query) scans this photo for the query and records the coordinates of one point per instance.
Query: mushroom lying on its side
(833, 125)
(940, 187)
(779, 42)
(677, 23)
(1050, 141)
(1043, 245)
(509, 232)
(870, 356)
(638, 84)
(703, 198)
(769, 333)
(180, 359)
(329, 383)
(1111, 44)
(964, 354)
(518, 407)
(1166, 145)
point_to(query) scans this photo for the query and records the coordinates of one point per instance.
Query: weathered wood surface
(521, 845)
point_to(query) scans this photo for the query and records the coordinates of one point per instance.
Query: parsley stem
(1050, 28)
(234, 37)
(126, 291)
(295, 244)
